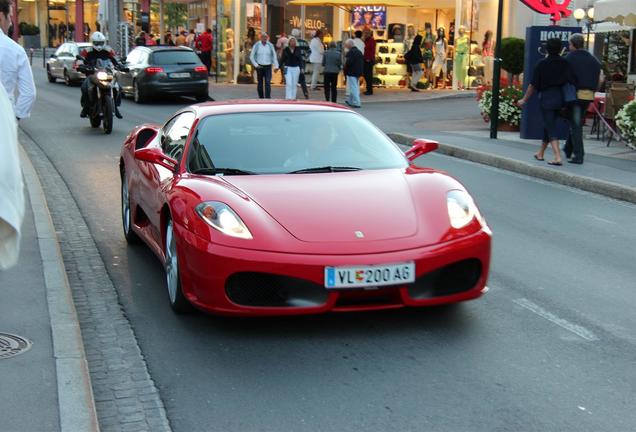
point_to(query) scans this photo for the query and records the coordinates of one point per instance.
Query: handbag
(569, 93)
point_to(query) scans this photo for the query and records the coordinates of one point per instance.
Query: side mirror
(420, 147)
(53, 55)
(79, 57)
(156, 156)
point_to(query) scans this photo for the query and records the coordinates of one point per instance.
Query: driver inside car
(99, 51)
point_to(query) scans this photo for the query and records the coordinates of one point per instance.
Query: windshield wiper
(325, 169)
(222, 171)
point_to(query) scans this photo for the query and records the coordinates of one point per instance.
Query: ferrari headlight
(222, 218)
(461, 208)
(102, 76)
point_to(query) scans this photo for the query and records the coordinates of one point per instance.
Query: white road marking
(574, 328)
(601, 219)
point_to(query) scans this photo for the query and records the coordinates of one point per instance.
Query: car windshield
(171, 57)
(289, 142)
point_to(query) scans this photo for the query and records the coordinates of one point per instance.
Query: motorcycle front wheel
(108, 109)
(96, 120)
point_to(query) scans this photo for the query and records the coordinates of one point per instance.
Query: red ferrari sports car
(282, 208)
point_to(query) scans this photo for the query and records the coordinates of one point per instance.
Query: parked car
(164, 70)
(63, 64)
(250, 220)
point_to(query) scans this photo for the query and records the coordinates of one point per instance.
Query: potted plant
(509, 111)
(512, 56)
(30, 35)
(626, 122)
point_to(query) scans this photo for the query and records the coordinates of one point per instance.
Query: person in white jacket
(317, 49)
(11, 186)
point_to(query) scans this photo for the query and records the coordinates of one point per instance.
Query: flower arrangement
(626, 122)
(509, 112)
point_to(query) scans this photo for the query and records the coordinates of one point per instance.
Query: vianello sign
(553, 8)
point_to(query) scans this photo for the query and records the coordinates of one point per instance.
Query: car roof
(238, 106)
(155, 48)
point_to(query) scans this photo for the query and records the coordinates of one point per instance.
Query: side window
(175, 133)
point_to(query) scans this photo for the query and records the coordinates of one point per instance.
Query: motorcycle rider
(98, 51)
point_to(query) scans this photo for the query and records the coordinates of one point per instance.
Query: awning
(352, 3)
(609, 27)
(620, 11)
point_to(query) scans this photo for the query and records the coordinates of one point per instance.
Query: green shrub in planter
(512, 54)
(27, 29)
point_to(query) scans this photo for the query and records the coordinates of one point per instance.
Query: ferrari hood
(360, 206)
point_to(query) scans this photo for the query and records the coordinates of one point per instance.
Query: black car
(164, 70)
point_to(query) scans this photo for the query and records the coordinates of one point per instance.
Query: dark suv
(164, 70)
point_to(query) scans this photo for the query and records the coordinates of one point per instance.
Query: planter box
(507, 127)
(31, 41)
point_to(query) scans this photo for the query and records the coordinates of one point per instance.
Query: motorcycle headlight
(222, 218)
(102, 76)
(461, 208)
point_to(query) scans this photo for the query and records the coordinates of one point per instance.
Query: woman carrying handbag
(552, 79)
(414, 59)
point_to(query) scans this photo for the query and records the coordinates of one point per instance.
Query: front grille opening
(269, 290)
(451, 279)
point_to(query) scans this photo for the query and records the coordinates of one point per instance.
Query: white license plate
(180, 75)
(369, 276)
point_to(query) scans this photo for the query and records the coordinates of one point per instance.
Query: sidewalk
(610, 172)
(223, 91)
(46, 388)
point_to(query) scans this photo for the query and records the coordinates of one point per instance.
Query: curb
(589, 184)
(74, 391)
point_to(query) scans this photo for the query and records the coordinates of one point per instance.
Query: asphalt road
(552, 346)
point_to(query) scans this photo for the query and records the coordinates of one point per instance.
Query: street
(551, 346)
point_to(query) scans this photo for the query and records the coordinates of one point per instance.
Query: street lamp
(579, 14)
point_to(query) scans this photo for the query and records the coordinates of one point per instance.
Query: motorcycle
(106, 92)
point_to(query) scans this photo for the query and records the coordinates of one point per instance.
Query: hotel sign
(556, 9)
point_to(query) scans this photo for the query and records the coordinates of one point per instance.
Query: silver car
(63, 64)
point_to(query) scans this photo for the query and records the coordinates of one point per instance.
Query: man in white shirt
(263, 57)
(317, 51)
(15, 72)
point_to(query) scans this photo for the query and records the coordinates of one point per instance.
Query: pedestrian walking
(587, 79)
(414, 59)
(168, 40)
(304, 47)
(15, 71)
(317, 51)
(11, 187)
(291, 62)
(140, 40)
(548, 79)
(354, 68)
(181, 39)
(204, 44)
(263, 57)
(190, 39)
(332, 64)
(281, 43)
(369, 60)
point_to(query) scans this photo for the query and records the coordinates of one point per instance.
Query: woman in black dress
(548, 79)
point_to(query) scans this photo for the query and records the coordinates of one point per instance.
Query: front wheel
(108, 109)
(96, 119)
(178, 302)
(50, 77)
(67, 79)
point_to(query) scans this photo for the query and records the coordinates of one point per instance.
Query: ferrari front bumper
(233, 281)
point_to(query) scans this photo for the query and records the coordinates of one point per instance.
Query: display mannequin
(427, 50)
(229, 54)
(488, 53)
(440, 51)
(462, 50)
